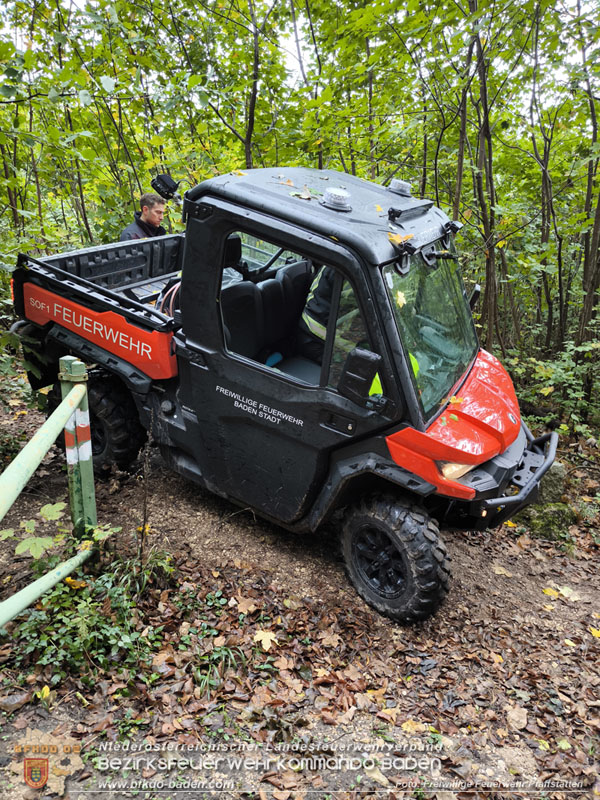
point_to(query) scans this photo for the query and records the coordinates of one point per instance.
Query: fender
(69, 342)
(346, 476)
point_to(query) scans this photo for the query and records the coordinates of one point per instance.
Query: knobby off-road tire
(117, 434)
(395, 558)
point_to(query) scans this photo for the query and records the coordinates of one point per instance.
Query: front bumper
(522, 488)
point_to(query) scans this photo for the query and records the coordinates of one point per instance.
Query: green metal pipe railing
(11, 608)
(15, 476)
(72, 415)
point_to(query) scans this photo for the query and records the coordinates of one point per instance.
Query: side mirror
(358, 374)
(474, 299)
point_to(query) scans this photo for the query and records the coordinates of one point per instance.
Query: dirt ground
(502, 686)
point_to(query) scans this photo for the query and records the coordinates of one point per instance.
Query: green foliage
(35, 545)
(556, 386)
(211, 667)
(97, 99)
(38, 546)
(82, 630)
(156, 569)
(94, 624)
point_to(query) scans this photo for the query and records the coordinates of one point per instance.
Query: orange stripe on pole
(84, 434)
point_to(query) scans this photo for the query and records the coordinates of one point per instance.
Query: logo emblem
(36, 772)
(512, 419)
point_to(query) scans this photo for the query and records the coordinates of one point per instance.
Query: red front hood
(478, 424)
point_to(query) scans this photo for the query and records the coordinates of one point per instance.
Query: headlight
(452, 471)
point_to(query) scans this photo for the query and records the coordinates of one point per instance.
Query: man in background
(146, 222)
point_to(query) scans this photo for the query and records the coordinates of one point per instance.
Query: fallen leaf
(12, 702)
(389, 714)
(412, 726)
(570, 643)
(455, 400)
(377, 775)
(148, 773)
(284, 663)
(595, 632)
(330, 639)
(543, 744)
(397, 238)
(266, 639)
(569, 593)
(563, 744)
(73, 584)
(162, 658)
(246, 605)
(378, 207)
(499, 570)
(346, 718)
(517, 718)
(510, 524)
(237, 172)
(550, 592)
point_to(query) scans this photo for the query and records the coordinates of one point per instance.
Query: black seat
(241, 307)
(260, 320)
(277, 325)
(296, 279)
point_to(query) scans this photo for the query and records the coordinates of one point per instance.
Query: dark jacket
(140, 229)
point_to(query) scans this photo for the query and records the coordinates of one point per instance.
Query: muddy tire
(117, 434)
(395, 558)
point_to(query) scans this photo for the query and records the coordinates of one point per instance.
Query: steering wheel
(441, 345)
(432, 323)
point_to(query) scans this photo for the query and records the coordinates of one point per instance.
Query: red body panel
(149, 351)
(475, 428)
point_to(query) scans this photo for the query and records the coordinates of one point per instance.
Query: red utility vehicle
(403, 425)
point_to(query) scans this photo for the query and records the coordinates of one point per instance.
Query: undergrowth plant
(38, 546)
(554, 388)
(90, 625)
(81, 626)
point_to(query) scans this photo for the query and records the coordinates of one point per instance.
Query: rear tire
(117, 434)
(395, 558)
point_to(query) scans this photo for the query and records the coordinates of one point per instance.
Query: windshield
(435, 324)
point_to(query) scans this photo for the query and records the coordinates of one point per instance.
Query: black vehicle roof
(366, 228)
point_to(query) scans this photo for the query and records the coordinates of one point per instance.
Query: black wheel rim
(379, 562)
